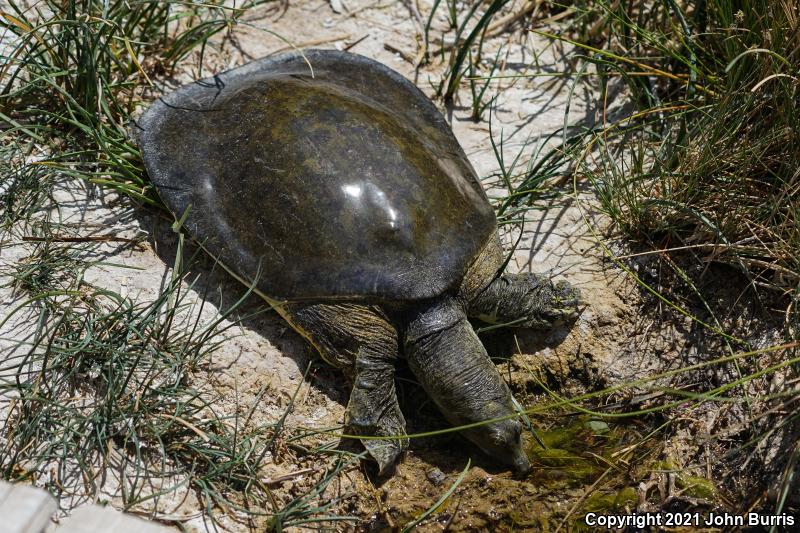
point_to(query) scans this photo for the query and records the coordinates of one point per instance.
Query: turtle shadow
(503, 344)
(218, 289)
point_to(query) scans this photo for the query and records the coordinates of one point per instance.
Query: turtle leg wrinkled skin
(451, 364)
(442, 350)
(362, 341)
(526, 299)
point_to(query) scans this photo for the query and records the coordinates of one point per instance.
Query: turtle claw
(389, 424)
(385, 452)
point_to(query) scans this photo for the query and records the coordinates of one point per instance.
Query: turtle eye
(498, 439)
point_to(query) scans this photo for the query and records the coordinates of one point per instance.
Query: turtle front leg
(362, 341)
(523, 300)
(373, 409)
(526, 300)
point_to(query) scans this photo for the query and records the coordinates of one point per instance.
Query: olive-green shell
(344, 182)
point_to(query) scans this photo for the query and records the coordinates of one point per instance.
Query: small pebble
(436, 477)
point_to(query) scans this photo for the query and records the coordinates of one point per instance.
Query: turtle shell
(319, 176)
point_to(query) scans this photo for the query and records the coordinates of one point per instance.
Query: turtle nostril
(522, 466)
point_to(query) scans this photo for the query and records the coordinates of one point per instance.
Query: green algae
(696, 487)
(692, 486)
(603, 502)
(576, 454)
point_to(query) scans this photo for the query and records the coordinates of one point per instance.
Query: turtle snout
(519, 459)
(503, 442)
(521, 464)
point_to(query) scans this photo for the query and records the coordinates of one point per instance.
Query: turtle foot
(382, 425)
(385, 453)
(527, 300)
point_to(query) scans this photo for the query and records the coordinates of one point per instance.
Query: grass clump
(461, 44)
(708, 160)
(701, 165)
(99, 373)
(104, 384)
(49, 267)
(71, 75)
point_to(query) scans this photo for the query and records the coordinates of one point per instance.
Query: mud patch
(559, 492)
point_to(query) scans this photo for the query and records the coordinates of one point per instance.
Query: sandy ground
(611, 340)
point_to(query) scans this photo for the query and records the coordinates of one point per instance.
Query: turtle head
(450, 362)
(502, 440)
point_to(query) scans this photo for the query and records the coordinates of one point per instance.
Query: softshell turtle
(335, 188)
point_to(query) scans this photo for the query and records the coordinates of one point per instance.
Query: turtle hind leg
(363, 342)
